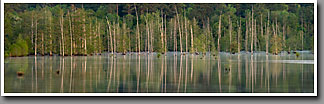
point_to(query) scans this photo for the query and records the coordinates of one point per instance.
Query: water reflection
(167, 73)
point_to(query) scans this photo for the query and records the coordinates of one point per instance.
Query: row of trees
(83, 29)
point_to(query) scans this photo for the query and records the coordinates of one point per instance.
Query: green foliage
(6, 54)
(297, 54)
(19, 48)
(234, 48)
(90, 29)
(276, 45)
(199, 43)
(158, 55)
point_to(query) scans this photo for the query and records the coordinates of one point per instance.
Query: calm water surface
(168, 73)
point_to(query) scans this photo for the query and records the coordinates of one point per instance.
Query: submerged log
(20, 74)
(197, 53)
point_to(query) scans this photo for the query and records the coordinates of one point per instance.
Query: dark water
(148, 73)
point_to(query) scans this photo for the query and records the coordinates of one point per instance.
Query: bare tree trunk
(91, 32)
(246, 34)
(162, 34)
(204, 33)
(255, 35)
(118, 35)
(276, 33)
(238, 38)
(230, 32)
(219, 31)
(123, 33)
(137, 31)
(84, 33)
(42, 43)
(302, 33)
(165, 27)
(62, 34)
(73, 27)
(36, 37)
(180, 33)
(283, 35)
(267, 36)
(303, 38)
(261, 26)
(32, 31)
(43, 48)
(80, 47)
(152, 36)
(150, 28)
(211, 40)
(147, 36)
(146, 40)
(129, 44)
(50, 36)
(99, 41)
(252, 33)
(71, 36)
(110, 36)
(107, 29)
(186, 34)
(171, 33)
(95, 35)
(115, 26)
(158, 25)
(175, 35)
(192, 39)
(209, 33)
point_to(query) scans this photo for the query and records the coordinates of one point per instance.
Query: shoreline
(171, 52)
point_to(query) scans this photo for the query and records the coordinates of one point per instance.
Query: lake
(229, 73)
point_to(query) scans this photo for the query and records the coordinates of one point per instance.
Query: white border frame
(159, 94)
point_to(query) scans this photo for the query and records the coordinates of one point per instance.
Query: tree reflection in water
(168, 73)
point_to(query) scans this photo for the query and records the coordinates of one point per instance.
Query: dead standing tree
(137, 32)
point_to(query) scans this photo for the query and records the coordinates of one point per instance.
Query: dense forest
(88, 29)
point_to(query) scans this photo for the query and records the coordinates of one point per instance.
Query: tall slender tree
(252, 32)
(71, 35)
(230, 32)
(84, 32)
(180, 31)
(137, 32)
(238, 38)
(219, 31)
(62, 30)
(267, 34)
